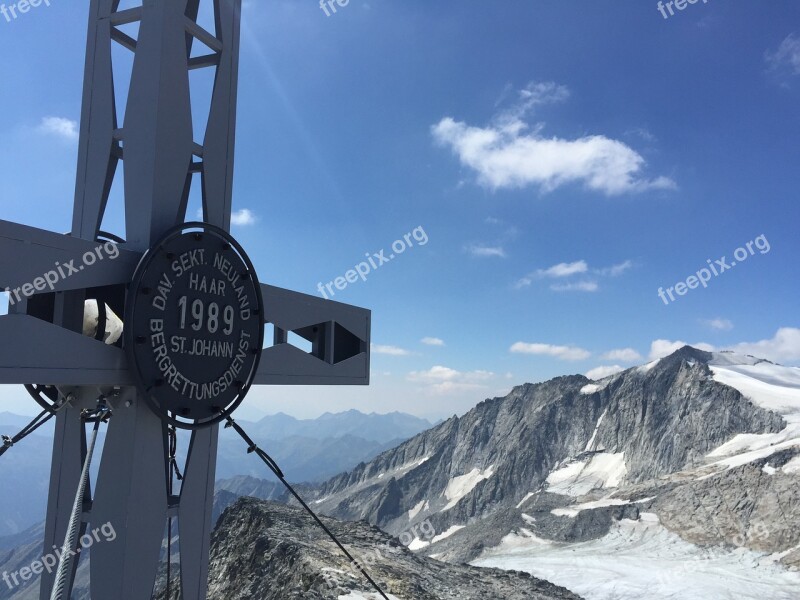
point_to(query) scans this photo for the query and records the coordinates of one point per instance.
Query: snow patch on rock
(447, 533)
(604, 470)
(422, 505)
(772, 387)
(460, 486)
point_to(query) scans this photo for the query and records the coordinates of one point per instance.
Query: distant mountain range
(308, 450)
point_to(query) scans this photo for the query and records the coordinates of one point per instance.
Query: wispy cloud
(587, 281)
(627, 355)
(66, 129)
(507, 154)
(718, 324)
(390, 350)
(482, 251)
(564, 269)
(785, 61)
(444, 380)
(604, 371)
(615, 270)
(432, 341)
(643, 133)
(577, 286)
(243, 217)
(560, 352)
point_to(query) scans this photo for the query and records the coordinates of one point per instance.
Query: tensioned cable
(71, 538)
(8, 442)
(253, 448)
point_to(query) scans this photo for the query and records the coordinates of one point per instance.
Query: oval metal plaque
(194, 325)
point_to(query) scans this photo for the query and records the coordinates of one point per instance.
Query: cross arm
(42, 353)
(61, 261)
(339, 335)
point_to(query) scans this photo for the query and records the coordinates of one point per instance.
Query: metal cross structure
(167, 277)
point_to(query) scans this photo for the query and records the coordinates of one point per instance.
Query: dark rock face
(664, 417)
(275, 552)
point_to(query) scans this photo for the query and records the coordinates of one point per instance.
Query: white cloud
(439, 373)
(555, 272)
(560, 352)
(627, 355)
(566, 270)
(390, 350)
(604, 371)
(486, 251)
(784, 346)
(787, 57)
(719, 324)
(543, 92)
(524, 282)
(507, 154)
(66, 129)
(243, 217)
(662, 348)
(643, 133)
(444, 380)
(432, 341)
(578, 286)
(615, 270)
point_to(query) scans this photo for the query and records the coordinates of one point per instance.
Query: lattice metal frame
(160, 157)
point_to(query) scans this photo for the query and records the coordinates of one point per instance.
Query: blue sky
(564, 160)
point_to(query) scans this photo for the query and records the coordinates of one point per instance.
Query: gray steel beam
(97, 160)
(286, 365)
(320, 321)
(218, 146)
(131, 496)
(47, 354)
(158, 134)
(195, 510)
(51, 254)
(293, 310)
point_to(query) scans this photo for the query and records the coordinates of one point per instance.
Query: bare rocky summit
(268, 551)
